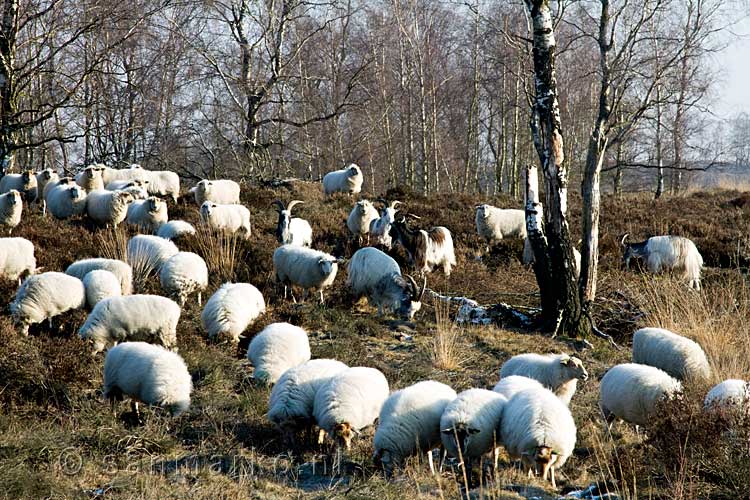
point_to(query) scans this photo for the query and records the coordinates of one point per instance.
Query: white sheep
(409, 423)
(231, 309)
(348, 403)
(100, 284)
(149, 374)
(631, 392)
(133, 173)
(380, 228)
(292, 230)
(44, 296)
(227, 218)
(55, 180)
(25, 183)
(469, 426)
(427, 249)
(151, 318)
(147, 253)
(11, 208)
(290, 406)
(360, 218)
(182, 274)
(43, 178)
(175, 229)
(162, 183)
(494, 224)
(66, 200)
(557, 372)
(108, 207)
(679, 356)
(304, 267)
(147, 214)
(728, 394)
(120, 269)
(221, 191)
(347, 180)
(135, 187)
(376, 275)
(90, 178)
(274, 350)
(513, 384)
(16, 258)
(539, 429)
(667, 253)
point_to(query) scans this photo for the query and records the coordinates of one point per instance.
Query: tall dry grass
(219, 250)
(445, 342)
(113, 243)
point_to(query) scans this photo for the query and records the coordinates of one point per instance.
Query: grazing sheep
(672, 253)
(539, 429)
(66, 200)
(147, 253)
(175, 229)
(513, 384)
(222, 192)
(347, 180)
(494, 224)
(100, 284)
(90, 178)
(162, 183)
(469, 426)
(729, 394)
(348, 403)
(182, 274)
(43, 178)
(278, 347)
(679, 356)
(304, 267)
(380, 228)
(44, 296)
(227, 218)
(360, 219)
(11, 208)
(631, 392)
(376, 275)
(427, 249)
(133, 173)
(108, 207)
(290, 407)
(557, 372)
(231, 309)
(147, 214)
(25, 183)
(16, 258)
(151, 318)
(409, 423)
(149, 374)
(292, 230)
(120, 269)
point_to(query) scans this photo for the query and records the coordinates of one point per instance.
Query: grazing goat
(674, 253)
(427, 249)
(292, 230)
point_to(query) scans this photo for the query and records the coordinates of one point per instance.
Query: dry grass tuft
(445, 343)
(113, 243)
(219, 250)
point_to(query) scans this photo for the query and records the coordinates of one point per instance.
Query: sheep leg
(200, 299)
(321, 436)
(134, 407)
(495, 458)
(322, 301)
(552, 476)
(431, 462)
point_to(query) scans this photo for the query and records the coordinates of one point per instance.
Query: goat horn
(413, 284)
(414, 216)
(292, 203)
(279, 204)
(424, 287)
(622, 242)
(394, 203)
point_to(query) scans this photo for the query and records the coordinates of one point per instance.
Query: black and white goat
(292, 230)
(380, 228)
(671, 253)
(427, 249)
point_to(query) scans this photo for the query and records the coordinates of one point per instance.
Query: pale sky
(733, 91)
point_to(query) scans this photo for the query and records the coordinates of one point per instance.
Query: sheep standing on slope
(360, 218)
(91, 178)
(162, 183)
(495, 224)
(11, 208)
(44, 296)
(149, 374)
(231, 309)
(43, 178)
(427, 249)
(147, 253)
(66, 199)
(227, 218)
(513, 384)
(175, 229)
(631, 392)
(672, 253)
(222, 192)
(348, 403)
(292, 230)
(290, 407)
(147, 214)
(557, 372)
(25, 183)
(348, 180)
(279, 347)
(304, 267)
(16, 258)
(120, 269)
(380, 228)
(151, 318)
(377, 276)
(680, 357)
(108, 207)
(409, 423)
(539, 429)
(100, 284)
(182, 274)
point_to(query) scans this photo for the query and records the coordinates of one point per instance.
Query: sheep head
(327, 266)
(207, 208)
(15, 197)
(461, 434)
(354, 170)
(483, 210)
(343, 433)
(574, 367)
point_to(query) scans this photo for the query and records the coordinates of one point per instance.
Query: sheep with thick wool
(292, 230)
(274, 350)
(66, 199)
(100, 284)
(631, 392)
(183, 274)
(307, 268)
(150, 318)
(557, 372)
(513, 384)
(290, 406)
(25, 183)
(349, 402)
(409, 423)
(231, 309)
(539, 429)
(11, 209)
(90, 178)
(732, 393)
(134, 172)
(44, 296)
(120, 269)
(667, 253)
(43, 178)
(147, 214)
(359, 219)
(54, 180)
(149, 374)
(427, 249)
(162, 183)
(175, 229)
(16, 258)
(220, 191)
(348, 180)
(380, 228)
(108, 208)
(147, 253)
(227, 218)
(137, 188)
(495, 224)
(679, 356)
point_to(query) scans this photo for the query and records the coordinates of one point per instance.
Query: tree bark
(7, 83)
